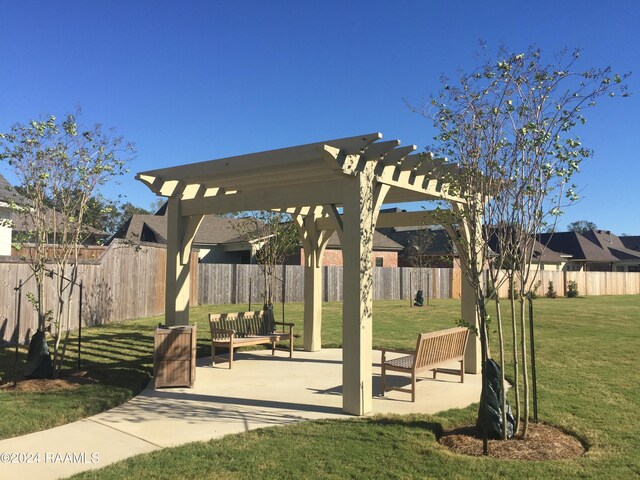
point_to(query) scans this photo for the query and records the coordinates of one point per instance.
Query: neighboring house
(218, 241)
(594, 250)
(549, 259)
(9, 198)
(385, 252)
(16, 221)
(422, 246)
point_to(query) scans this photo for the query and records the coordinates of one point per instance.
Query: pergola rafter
(313, 182)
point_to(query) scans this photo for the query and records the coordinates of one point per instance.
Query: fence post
(80, 324)
(15, 359)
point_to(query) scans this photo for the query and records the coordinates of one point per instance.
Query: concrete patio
(260, 391)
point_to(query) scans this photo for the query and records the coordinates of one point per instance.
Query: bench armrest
(384, 352)
(285, 324)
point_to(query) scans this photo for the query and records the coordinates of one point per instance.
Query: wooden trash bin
(174, 358)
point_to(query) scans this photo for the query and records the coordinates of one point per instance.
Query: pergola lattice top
(301, 176)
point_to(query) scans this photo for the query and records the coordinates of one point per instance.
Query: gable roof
(578, 246)
(612, 243)
(632, 242)
(9, 194)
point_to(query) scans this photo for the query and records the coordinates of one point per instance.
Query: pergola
(313, 182)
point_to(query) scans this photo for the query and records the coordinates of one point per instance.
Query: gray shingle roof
(578, 246)
(214, 230)
(8, 193)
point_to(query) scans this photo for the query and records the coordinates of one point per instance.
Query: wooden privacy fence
(589, 283)
(129, 282)
(224, 284)
(125, 282)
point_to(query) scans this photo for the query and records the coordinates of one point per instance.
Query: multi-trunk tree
(61, 167)
(272, 237)
(510, 127)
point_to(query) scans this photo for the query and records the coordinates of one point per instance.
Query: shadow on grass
(408, 422)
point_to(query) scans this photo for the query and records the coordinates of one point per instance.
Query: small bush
(534, 290)
(572, 289)
(551, 293)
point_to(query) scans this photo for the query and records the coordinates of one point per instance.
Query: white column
(314, 243)
(312, 300)
(357, 324)
(469, 312)
(178, 286)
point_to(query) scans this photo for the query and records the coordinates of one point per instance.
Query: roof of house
(380, 242)
(214, 230)
(9, 194)
(436, 242)
(612, 243)
(579, 246)
(542, 254)
(22, 220)
(632, 242)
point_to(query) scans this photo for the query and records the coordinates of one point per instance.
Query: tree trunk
(525, 376)
(501, 341)
(516, 369)
(484, 355)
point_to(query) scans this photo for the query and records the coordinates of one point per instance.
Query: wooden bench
(241, 329)
(432, 351)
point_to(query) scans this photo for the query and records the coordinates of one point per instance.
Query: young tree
(509, 126)
(61, 167)
(273, 236)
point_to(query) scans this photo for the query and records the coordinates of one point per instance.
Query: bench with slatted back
(432, 351)
(241, 329)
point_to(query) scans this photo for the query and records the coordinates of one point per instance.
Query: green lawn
(587, 350)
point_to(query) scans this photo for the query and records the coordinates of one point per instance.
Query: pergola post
(314, 243)
(469, 313)
(359, 220)
(468, 307)
(180, 234)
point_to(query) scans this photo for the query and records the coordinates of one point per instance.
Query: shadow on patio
(262, 391)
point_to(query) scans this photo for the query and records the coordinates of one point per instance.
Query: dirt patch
(69, 381)
(543, 442)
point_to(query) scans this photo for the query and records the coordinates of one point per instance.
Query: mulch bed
(69, 381)
(543, 442)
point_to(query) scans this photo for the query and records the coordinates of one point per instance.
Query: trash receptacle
(174, 358)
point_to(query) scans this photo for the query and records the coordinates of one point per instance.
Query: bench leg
(213, 355)
(382, 380)
(291, 346)
(230, 356)
(273, 348)
(413, 386)
(461, 371)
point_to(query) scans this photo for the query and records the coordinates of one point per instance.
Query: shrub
(572, 289)
(551, 293)
(534, 290)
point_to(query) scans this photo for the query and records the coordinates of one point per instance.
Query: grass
(587, 351)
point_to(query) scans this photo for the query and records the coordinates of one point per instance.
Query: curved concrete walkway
(260, 391)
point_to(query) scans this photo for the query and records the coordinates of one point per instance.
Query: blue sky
(197, 80)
